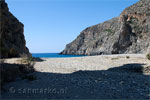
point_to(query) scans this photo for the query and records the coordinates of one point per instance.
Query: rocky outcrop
(12, 40)
(128, 33)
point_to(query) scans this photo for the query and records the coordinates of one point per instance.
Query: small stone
(121, 82)
(148, 95)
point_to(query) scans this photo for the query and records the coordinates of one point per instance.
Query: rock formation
(12, 40)
(128, 33)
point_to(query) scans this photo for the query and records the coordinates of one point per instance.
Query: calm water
(53, 55)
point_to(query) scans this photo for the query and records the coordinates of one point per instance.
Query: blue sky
(51, 24)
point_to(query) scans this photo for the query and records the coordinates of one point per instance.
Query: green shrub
(148, 56)
(109, 31)
(30, 59)
(114, 58)
(127, 57)
(27, 60)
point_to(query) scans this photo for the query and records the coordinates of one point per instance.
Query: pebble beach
(89, 77)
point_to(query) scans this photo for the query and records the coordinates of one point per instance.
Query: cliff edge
(12, 40)
(128, 33)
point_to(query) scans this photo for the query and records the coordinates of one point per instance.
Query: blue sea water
(53, 55)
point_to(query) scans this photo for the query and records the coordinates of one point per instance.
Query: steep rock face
(129, 33)
(12, 40)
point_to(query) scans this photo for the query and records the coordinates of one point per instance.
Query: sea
(53, 55)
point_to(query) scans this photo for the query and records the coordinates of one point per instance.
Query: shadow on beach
(124, 82)
(37, 59)
(9, 72)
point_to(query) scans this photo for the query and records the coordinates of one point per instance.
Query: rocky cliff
(12, 40)
(128, 33)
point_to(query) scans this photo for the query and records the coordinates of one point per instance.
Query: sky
(51, 24)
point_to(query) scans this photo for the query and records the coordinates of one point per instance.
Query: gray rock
(12, 40)
(148, 50)
(128, 33)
